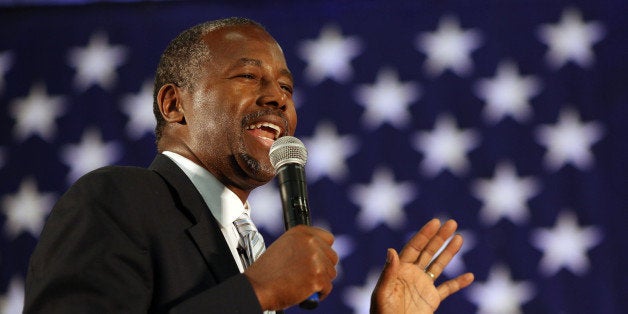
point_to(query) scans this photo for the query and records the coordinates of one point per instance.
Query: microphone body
(288, 156)
(293, 190)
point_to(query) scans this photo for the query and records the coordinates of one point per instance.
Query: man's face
(241, 104)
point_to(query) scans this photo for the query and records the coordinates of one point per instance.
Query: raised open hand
(406, 284)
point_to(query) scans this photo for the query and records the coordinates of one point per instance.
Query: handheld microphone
(288, 156)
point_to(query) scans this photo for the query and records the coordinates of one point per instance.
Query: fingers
(323, 234)
(411, 251)
(294, 266)
(452, 286)
(438, 265)
(436, 242)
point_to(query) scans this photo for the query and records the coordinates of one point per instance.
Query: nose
(273, 95)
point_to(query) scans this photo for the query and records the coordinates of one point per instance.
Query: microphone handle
(293, 190)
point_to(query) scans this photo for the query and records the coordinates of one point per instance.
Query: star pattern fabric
(449, 47)
(445, 147)
(500, 293)
(6, 59)
(571, 39)
(13, 301)
(97, 62)
(328, 152)
(387, 100)
(330, 55)
(359, 297)
(89, 154)
(344, 245)
(507, 94)
(36, 114)
(507, 117)
(139, 109)
(266, 211)
(26, 210)
(566, 245)
(505, 195)
(382, 200)
(569, 141)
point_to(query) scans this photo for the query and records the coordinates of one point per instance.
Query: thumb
(385, 285)
(392, 266)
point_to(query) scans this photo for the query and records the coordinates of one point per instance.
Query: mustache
(251, 117)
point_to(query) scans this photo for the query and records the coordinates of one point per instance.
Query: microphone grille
(287, 149)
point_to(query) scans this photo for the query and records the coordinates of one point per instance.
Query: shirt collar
(225, 205)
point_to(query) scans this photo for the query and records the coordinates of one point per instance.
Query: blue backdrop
(508, 116)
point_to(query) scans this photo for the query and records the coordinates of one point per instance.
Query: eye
(249, 76)
(287, 88)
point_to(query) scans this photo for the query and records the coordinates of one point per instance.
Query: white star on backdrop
(565, 245)
(571, 39)
(89, 154)
(505, 195)
(507, 94)
(359, 298)
(387, 100)
(6, 60)
(329, 56)
(139, 109)
(445, 147)
(328, 152)
(27, 209)
(36, 114)
(500, 294)
(266, 210)
(96, 63)
(569, 141)
(13, 301)
(382, 200)
(449, 47)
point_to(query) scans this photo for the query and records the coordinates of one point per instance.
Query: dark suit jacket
(135, 240)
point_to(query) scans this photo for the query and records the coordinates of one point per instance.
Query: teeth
(276, 128)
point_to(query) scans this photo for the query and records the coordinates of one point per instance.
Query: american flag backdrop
(508, 116)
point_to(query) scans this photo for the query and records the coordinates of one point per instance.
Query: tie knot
(245, 225)
(250, 241)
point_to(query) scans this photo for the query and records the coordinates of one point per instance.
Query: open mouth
(265, 130)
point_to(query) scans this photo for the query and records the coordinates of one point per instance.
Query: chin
(256, 170)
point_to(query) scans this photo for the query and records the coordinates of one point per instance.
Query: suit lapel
(205, 231)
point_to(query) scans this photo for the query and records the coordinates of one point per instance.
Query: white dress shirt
(225, 205)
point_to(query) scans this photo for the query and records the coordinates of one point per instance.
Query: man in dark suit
(162, 239)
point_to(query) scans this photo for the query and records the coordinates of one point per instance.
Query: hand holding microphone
(288, 156)
(301, 261)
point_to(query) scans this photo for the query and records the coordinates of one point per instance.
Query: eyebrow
(248, 61)
(258, 63)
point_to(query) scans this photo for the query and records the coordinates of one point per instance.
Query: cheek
(292, 116)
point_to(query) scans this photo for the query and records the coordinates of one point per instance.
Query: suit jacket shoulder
(128, 239)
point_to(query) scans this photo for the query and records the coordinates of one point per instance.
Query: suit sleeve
(85, 261)
(94, 257)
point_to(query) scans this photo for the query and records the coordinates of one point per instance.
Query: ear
(170, 104)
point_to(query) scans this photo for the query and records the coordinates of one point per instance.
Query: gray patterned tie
(251, 241)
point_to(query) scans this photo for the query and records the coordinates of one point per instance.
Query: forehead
(243, 41)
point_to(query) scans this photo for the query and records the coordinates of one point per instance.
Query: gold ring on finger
(430, 274)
